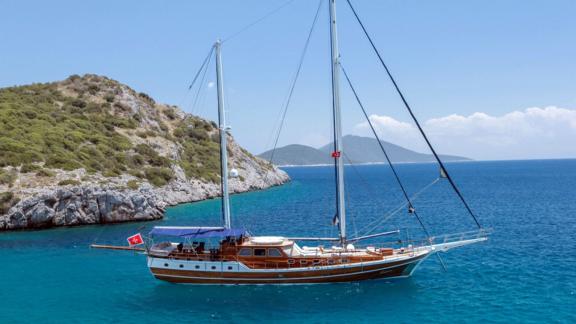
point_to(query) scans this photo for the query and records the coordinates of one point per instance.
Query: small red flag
(336, 154)
(135, 239)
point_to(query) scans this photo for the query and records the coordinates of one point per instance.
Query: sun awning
(197, 232)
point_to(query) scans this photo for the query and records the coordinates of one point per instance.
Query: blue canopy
(197, 232)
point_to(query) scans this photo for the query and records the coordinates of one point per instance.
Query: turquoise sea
(525, 273)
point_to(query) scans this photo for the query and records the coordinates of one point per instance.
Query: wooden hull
(311, 275)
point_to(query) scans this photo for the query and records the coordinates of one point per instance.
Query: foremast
(337, 154)
(223, 137)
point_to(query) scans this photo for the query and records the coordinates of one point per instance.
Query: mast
(223, 139)
(337, 154)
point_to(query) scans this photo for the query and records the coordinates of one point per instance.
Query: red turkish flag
(135, 239)
(336, 154)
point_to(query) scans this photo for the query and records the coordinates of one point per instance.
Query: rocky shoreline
(91, 204)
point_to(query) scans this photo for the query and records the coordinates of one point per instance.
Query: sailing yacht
(189, 255)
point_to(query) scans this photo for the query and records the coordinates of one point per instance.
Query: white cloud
(532, 133)
(389, 124)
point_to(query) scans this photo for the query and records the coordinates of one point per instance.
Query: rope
(294, 80)
(371, 189)
(395, 211)
(204, 63)
(452, 183)
(202, 82)
(396, 176)
(250, 25)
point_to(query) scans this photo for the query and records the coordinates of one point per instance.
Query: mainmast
(223, 139)
(337, 154)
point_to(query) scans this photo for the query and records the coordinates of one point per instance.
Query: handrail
(426, 241)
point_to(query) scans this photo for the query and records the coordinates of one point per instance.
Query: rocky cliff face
(89, 150)
(82, 205)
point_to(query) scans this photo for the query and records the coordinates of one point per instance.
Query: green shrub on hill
(170, 113)
(147, 98)
(8, 177)
(67, 137)
(133, 184)
(200, 157)
(45, 173)
(69, 182)
(152, 157)
(79, 128)
(27, 168)
(158, 176)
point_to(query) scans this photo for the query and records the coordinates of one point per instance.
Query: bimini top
(197, 232)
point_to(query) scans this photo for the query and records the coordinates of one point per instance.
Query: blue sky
(489, 79)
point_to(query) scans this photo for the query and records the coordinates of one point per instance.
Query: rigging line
(202, 67)
(293, 84)
(362, 179)
(452, 183)
(410, 205)
(377, 223)
(255, 22)
(202, 82)
(394, 211)
(385, 219)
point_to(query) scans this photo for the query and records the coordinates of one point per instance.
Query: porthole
(197, 267)
(165, 264)
(229, 268)
(213, 267)
(181, 266)
(291, 261)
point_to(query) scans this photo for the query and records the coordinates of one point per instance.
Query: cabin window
(245, 252)
(213, 267)
(165, 264)
(197, 267)
(303, 261)
(274, 252)
(229, 268)
(330, 261)
(181, 266)
(316, 261)
(259, 252)
(291, 261)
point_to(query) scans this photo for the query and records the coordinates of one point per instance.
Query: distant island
(90, 150)
(358, 150)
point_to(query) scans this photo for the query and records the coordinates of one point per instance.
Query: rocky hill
(90, 150)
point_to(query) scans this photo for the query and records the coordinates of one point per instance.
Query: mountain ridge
(357, 149)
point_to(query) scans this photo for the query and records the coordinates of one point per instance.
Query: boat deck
(277, 258)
